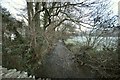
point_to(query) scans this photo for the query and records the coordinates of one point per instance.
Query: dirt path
(59, 64)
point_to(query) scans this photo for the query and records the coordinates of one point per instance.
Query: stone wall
(13, 73)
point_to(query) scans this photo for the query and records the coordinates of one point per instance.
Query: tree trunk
(31, 26)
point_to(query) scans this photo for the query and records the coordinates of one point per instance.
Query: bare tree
(53, 14)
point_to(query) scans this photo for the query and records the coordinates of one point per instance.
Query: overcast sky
(14, 6)
(11, 4)
(18, 4)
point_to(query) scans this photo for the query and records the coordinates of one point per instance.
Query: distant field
(99, 42)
